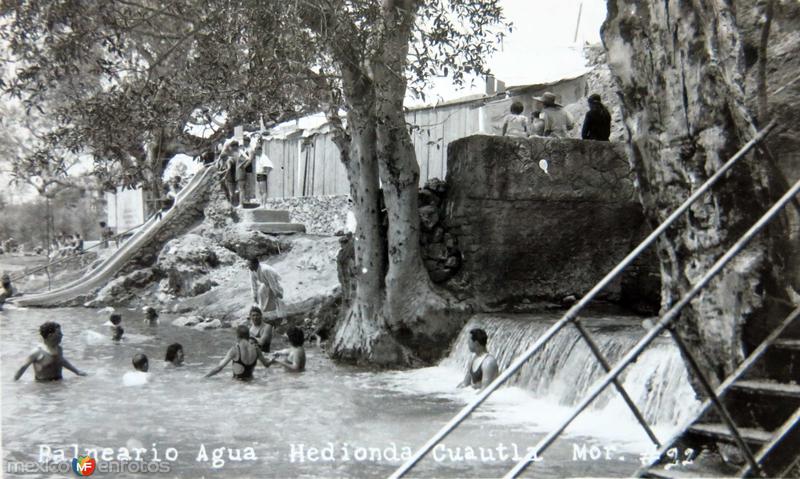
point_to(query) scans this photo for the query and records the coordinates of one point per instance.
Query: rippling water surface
(332, 421)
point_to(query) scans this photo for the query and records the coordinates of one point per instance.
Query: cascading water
(564, 370)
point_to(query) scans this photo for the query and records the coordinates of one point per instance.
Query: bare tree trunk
(680, 71)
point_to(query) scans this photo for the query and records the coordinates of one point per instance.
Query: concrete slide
(105, 271)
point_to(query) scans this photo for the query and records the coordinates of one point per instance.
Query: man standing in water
(48, 360)
(482, 366)
(260, 332)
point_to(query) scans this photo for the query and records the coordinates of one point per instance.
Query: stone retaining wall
(322, 215)
(527, 236)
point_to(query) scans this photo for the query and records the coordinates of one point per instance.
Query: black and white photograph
(400, 238)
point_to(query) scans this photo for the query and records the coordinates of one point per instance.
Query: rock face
(248, 243)
(123, 289)
(528, 235)
(185, 261)
(680, 68)
(440, 252)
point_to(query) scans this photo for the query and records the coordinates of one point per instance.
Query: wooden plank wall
(312, 166)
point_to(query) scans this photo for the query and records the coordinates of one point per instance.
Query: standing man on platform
(597, 122)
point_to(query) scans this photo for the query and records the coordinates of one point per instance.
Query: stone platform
(269, 221)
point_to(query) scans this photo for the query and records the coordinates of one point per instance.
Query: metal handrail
(728, 382)
(572, 314)
(657, 329)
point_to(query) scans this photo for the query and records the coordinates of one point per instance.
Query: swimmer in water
(260, 332)
(244, 355)
(296, 355)
(116, 329)
(482, 366)
(150, 316)
(174, 355)
(140, 362)
(48, 360)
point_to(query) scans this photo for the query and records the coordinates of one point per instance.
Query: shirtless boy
(48, 360)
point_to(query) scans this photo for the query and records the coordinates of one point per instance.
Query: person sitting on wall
(515, 123)
(537, 124)
(597, 122)
(557, 122)
(482, 366)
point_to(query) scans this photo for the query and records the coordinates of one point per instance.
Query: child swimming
(174, 355)
(116, 329)
(150, 316)
(48, 360)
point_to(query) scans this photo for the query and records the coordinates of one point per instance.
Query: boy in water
(150, 316)
(260, 332)
(140, 362)
(116, 329)
(48, 360)
(296, 355)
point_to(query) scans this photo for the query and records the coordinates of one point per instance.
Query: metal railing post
(660, 326)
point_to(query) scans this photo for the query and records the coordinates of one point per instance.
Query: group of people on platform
(239, 163)
(66, 245)
(554, 121)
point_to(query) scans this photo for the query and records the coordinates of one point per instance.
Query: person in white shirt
(265, 286)
(515, 123)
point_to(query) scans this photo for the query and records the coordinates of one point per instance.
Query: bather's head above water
(51, 333)
(295, 336)
(477, 340)
(256, 316)
(140, 362)
(150, 314)
(174, 354)
(242, 332)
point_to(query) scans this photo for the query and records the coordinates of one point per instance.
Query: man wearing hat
(597, 123)
(557, 122)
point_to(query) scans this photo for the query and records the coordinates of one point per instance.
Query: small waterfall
(564, 370)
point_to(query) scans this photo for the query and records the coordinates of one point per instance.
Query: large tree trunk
(679, 67)
(395, 318)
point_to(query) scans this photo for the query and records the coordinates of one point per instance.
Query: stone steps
(262, 215)
(269, 221)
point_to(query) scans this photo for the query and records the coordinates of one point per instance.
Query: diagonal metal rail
(670, 315)
(572, 314)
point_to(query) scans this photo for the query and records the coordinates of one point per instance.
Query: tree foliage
(128, 77)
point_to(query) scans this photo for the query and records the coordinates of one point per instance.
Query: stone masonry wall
(322, 215)
(528, 236)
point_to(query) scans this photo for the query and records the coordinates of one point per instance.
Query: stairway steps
(277, 227)
(721, 432)
(261, 215)
(768, 388)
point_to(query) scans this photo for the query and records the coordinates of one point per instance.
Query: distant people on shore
(295, 361)
(482, 366)
(597, 122)
(48, 360)
(260, 331)
(244, 355)
(515, 123)
(265, 286)
(537, 124)
(116, 327)
(557, 121)
(241, 162)
(150, 316)
(263, 167)
(174, 356)
(106, 234)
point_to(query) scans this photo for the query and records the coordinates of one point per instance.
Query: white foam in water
(135, 378)
(549, 386)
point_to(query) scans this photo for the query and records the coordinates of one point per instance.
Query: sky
(541, 48)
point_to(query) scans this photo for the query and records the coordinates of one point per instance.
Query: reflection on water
(331, 421)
